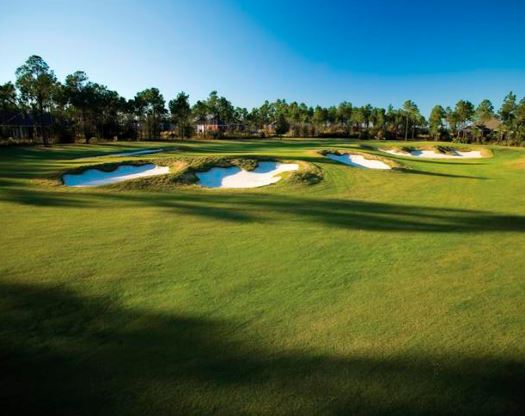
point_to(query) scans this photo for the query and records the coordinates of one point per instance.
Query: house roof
(492, 124)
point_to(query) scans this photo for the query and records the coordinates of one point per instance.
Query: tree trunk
(406, 129)
(153, 133)
(41, 122)
(84, 129)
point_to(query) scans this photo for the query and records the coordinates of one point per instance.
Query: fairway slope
(336, 291)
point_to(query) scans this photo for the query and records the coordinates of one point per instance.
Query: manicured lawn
(369, 293)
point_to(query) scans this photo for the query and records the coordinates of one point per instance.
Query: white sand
(96, 177)
(432, 154)
(265, 173)
(358, 160)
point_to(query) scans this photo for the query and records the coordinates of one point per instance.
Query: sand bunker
(358, 161)
(97, 177)
(265, 173)
(432, 154)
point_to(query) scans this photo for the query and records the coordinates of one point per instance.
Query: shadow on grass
(40, 161)
(73, 151)
(441, 175)
(470, 162)
(66, 354)
(263, 207)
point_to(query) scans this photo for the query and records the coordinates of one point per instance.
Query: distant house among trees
(270, 128)
(23, 125)
(210, 124)
(492, 124)
(481, 130)
(214, 125)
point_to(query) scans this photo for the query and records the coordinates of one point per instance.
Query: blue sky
(319, 52)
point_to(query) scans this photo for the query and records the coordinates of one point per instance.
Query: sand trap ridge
(432, 154)
(358, 160)
(265, 173)
(97, 177)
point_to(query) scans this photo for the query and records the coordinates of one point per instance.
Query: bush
(11, 141)
(168, 134)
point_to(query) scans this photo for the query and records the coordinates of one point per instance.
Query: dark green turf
(371, 293)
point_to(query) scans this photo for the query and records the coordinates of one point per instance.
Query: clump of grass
(447, 150)
(308, 174)
(451, 150)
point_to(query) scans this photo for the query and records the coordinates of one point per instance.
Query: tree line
(37, 105)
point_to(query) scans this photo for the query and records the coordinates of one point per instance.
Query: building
(479, 130)
(488, 126)
(270, 128)
(209, 124)
(22, 125)
(492, 124)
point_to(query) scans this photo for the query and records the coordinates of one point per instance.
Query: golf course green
(363, 292)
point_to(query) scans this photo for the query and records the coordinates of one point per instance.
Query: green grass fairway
(370, 293)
